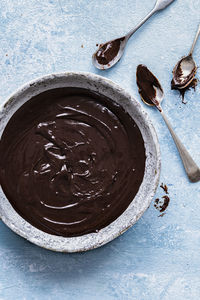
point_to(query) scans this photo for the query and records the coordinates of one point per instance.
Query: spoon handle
(195, 40)
(192, 170)
(160, 4)
(132, 31)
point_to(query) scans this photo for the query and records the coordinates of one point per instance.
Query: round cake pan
(152, 168)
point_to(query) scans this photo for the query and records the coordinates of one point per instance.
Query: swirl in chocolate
(71, 161)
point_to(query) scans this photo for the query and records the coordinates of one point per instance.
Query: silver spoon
(152, 94)
(185, 70)
(110, 52)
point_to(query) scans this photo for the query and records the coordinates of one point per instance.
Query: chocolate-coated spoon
(110, 52)
(152, 94)
(185, 70)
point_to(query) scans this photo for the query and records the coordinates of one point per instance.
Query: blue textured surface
(157, 259)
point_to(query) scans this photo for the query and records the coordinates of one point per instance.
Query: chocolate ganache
(71, 161)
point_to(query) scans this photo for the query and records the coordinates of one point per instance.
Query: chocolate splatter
(161, 205)
(156, 201)
(164, 187)
(165, 203)
(161, 215)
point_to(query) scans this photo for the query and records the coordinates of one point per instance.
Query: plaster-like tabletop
(158, 258)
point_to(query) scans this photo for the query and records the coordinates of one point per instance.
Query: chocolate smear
(164, 187)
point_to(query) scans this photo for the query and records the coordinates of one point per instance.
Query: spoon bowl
(110, 53)
(184, 72)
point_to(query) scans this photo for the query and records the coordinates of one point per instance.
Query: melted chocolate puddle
(107, 52)
(164, 187)
(71, 161)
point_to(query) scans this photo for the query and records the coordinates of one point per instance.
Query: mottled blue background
(159, 258)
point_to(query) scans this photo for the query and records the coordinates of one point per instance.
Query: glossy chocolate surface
(147, 84)
(71, 161)
(107, 52)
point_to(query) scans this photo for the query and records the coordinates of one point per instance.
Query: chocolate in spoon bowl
(109, 51)
(183, 73)
(147, 83)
